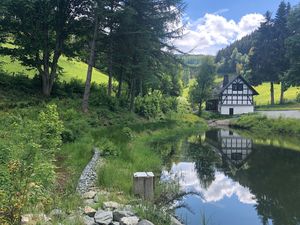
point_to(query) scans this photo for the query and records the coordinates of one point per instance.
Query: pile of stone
(112, 213)
(88, 177)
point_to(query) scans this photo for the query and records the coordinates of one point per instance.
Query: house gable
(237, 92)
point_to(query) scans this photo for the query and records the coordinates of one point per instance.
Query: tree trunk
(45, 84)
(110, 72)
(86, 95)
(110, 66)
(200, 108)
(282, 89)
(132, 95)
(120, 84)
(272, 93)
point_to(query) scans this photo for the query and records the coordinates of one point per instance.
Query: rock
(97, 198)
(57, 213)
(131, 220)
(119, 214)
(175, 221)
(145, 222)
(89, 195)
(34, 219)
(88, 202)
(103, 217)
(89, 220)
(115, 223)
(89, 211)
(111, 205)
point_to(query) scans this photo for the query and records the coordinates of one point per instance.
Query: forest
(269, 54)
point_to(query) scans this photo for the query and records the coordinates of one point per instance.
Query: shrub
(101, 98)
(27, 171)
(107, 147)
(128, 133)
(154, 104)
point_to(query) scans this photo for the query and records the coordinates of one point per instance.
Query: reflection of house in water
(233, 148)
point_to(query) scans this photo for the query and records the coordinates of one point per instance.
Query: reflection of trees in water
(169, 149)
(205, 160)
(273, 176)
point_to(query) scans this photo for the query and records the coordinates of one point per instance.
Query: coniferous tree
(261, 61)
(293, 46)
(281, 33)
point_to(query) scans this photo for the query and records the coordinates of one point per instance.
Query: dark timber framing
(237, 92)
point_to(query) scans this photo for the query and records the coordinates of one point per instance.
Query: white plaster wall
(224, 110)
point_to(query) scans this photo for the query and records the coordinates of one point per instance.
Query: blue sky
(213, 24)
(231, 9)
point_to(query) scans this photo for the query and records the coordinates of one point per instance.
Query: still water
(243, 180)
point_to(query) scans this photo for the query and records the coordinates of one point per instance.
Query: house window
(237, 87)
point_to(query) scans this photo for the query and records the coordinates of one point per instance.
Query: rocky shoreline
(111, 213)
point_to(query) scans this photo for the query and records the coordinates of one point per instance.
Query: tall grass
(259, 123)
(139, 155)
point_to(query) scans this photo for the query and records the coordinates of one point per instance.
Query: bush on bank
(259, 123)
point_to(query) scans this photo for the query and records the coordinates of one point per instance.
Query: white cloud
(212, 32)
(222, 186)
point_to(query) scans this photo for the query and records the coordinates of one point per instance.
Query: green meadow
(72, 69)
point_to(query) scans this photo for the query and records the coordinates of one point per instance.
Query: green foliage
(202, 89)
(293, 45)
(107, 147)
(153, 213)
(154, 104)
(258, 123)
(27, 171)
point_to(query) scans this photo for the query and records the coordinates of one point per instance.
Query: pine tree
(293, 46)
(280, 60)
(262, 59)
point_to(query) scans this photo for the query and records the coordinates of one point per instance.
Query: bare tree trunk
(86, 95)
(110, 66)
(110, 72)
(45, 84)
(200, 108)
(272, 93)
(120, 84)
(282, 89)
(132, 95)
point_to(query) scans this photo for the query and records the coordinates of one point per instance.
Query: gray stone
(131, 220)
(111, 205)
(89, 220)
(89, 195)
(34, 218)
(88, 177)
(103, 217)
(175, 221)
(89, 202)
(115, 223)
(89, 211)
(145, 222)
(119, 214)
(57, 213)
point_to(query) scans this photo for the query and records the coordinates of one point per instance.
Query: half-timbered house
(234, 97)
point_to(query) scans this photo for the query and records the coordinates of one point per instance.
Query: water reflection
(242, 182)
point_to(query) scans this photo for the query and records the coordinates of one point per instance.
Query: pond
(243, 180)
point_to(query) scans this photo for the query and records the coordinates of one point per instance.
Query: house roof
(243, 79)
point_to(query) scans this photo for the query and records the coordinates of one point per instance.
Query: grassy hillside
(72, 69)
(264, 93)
